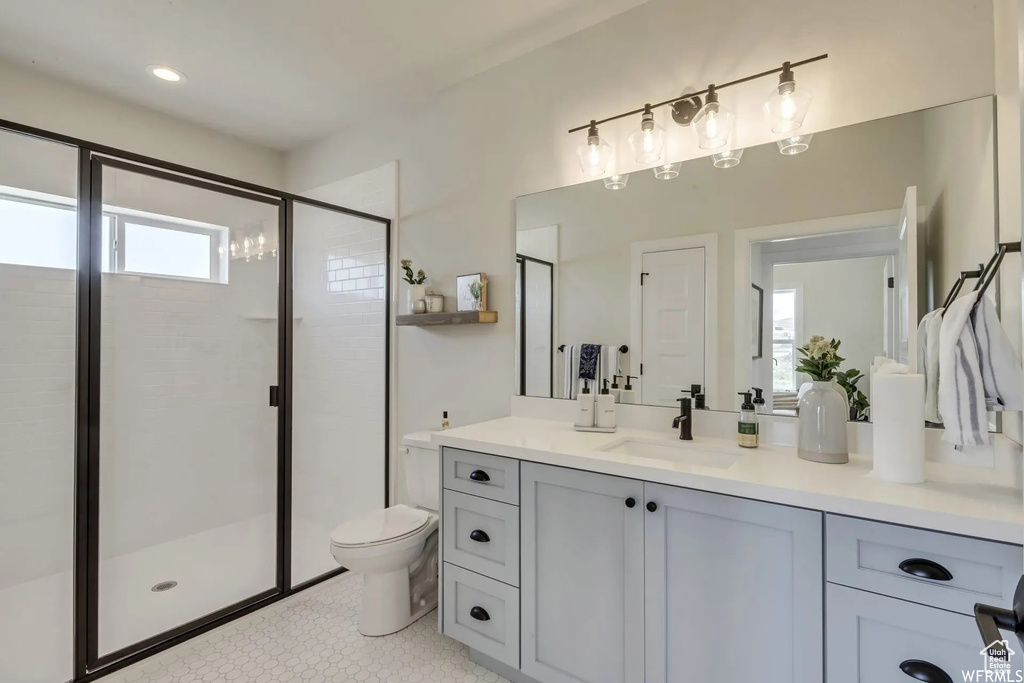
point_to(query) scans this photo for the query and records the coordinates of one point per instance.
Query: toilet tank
(422, 470)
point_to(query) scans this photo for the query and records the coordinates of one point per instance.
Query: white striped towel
(961, 387)
(1000, 370)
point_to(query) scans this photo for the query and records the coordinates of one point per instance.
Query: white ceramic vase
(414, 293)
(823, 415)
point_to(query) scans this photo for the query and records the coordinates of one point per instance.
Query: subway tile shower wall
(37, 419)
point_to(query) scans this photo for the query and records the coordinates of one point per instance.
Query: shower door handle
(274, 399)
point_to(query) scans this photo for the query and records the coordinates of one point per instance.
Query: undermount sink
(684, 452)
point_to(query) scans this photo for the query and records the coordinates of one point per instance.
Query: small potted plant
(824, 408)
(415, 291)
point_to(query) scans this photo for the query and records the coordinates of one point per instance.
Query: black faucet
(685, 419)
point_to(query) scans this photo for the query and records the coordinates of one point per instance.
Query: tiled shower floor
(311, 636)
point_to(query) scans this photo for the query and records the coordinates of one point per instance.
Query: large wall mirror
(713, 275)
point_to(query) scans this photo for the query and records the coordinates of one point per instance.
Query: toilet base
(387, 605)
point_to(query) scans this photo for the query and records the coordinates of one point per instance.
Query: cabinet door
(876, 639)
(582, 584)
(733, 589)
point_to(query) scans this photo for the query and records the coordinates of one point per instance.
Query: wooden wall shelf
(462, 318)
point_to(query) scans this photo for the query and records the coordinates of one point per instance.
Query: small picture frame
(756, 322)
(471, 292)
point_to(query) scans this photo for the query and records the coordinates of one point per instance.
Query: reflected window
(784, 340)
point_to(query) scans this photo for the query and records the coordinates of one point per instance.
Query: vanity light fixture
(668, 171)
(595, 154)
(728, 159)
(648, 141)
(616, 182)
(166, 73)
(795, 144)
(787, 105)
(714, 123)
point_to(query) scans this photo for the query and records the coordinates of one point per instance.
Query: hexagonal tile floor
(311, 637)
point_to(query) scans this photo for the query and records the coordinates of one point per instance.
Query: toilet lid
(380, 526)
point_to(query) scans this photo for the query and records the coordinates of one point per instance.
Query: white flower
(819, 348)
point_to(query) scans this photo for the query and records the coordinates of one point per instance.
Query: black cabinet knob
(924, 671)
(652, 506)
(480, 614)
(925, 569)
(479, 475)
(630, 502)
(479, 536)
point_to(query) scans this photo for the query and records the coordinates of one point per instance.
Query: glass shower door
(188, 490)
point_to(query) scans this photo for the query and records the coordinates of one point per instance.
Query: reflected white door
(890, 310)
(672, 324)
(907, 268)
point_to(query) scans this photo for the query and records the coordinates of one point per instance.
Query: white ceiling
(283, 72)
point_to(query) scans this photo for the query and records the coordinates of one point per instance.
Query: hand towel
(928, 362)
(1000, 370)
(609, 364)
(590, 356)
(961, 387)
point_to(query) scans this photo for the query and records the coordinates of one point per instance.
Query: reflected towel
(590, 356)
(610, 364)
(928, 362)
(570, 361)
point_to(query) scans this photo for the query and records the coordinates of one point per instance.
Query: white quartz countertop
(972, 501)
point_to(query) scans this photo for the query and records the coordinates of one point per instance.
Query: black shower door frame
(92, 159)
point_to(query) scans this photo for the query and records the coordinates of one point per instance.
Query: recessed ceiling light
(166, 73)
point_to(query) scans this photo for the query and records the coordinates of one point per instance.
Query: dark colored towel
(590, 354)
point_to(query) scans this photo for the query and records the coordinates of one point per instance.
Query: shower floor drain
(164, 586)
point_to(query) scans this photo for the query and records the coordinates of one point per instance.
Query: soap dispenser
(747, 430)
(627, 395)
(760, 405)
(605, 418)
(585, 407)
(615, 388)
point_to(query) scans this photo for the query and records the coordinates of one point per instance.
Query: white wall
(840, 299)
(33, 99)
(466, 154)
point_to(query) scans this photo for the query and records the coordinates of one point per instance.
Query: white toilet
(396, 549)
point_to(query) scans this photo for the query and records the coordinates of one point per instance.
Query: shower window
(40, 230)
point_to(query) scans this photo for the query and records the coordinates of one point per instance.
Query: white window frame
(217, 234)
(798, 332)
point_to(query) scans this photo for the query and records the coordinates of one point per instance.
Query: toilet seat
(380, 527)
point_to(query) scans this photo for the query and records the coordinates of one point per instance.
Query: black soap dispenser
(615, 390)
(760, 405)
(627, 395)
(747, 435)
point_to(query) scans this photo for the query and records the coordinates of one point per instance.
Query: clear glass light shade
(594, 156)
(616, 182)
(787, 106)
(728, 159)
(795, 144)
(714, 126)
(648, 142)
(667, 171)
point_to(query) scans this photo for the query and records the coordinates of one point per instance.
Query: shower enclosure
(193, 382)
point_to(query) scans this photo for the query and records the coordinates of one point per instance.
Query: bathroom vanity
(636, 557)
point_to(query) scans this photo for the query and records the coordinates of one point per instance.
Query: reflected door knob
(630, 502)
(652, 506)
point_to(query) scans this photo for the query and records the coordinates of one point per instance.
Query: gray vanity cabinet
(582, 582)
(747, 576)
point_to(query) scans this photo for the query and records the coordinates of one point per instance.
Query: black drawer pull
(630, 502)
(480, 614)
(479, 536)
(925, 569)
(479, 475)
(924, 671)
(652, 506)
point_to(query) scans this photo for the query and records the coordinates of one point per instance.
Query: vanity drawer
(479, 474)
(940, 570)
(481, 535)
(873, 639)
(482, 613)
